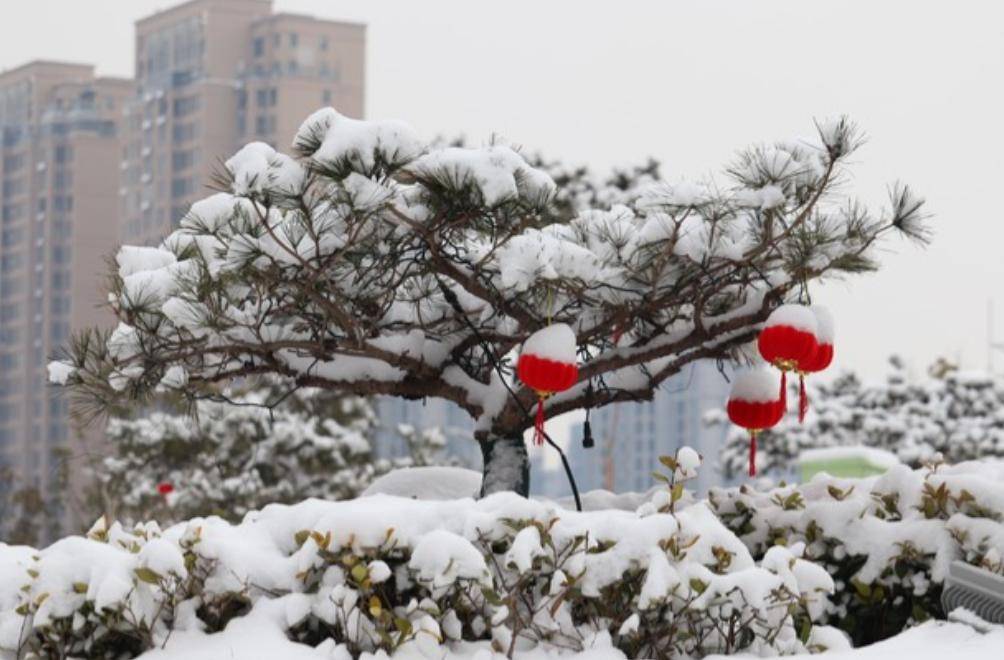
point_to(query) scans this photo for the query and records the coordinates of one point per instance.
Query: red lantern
(788, 341)
(165, 488)
(755, 404)
(823, 356)
(547, 364)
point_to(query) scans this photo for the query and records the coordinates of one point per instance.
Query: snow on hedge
(957, 415)
(887, 540)
(384, 572)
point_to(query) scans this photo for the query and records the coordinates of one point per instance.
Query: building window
(186, 106)
(184, 132)
(12, 212)
(259, 46)
(60, 279)
(326, 97)
(10, 312)
(292, 67)
(181, 160)
(324, 43)
(13, 163)
(11, 262)
(12, 236)
(294, 39)
(63, 154)
(181, 187)
(61, 254)
(13, 187)
(63, 179)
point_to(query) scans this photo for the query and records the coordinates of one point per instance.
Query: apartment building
(212, 75)
(60, 141)
(630, 437)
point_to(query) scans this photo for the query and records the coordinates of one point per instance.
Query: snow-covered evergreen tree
(373, 264)
(259, 448)
(959, 415)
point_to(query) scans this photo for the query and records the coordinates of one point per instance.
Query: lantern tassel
(784, 390)
(803, 398)
(753, 453)
(538, 425)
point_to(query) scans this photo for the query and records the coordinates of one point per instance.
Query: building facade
(61, 139)
(87, 163)
(212, 75)
(456, 425)
(630, 437)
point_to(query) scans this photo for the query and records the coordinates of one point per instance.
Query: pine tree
(262, 446)
(373, 264)
(955, 414)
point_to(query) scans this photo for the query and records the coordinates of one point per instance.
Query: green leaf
(864, 590)
(80, 587)
(669, 462)
(403, 625)
(359, 572)
(659, 476)
(698, 585)
(491, 596)
(147, 575)
(677, 492)
(302, 536)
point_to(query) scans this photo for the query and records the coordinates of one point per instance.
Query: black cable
(451, 298)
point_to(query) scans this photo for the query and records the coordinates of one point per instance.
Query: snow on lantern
(547, 364)
(821, 358)
(788, 341)
(755, 403)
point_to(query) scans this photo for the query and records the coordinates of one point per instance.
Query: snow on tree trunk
(506, 464)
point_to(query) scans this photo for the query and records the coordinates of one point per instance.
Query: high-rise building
(60, 140)
(630, 437)
(212, 75)
(456, 425)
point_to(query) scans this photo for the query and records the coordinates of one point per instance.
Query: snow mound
(427, 483)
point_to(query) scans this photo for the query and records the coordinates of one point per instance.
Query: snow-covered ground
(255, 638)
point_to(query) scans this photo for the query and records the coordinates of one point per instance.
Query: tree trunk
(506, 465)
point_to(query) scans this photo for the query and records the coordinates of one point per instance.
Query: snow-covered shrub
(959, 415)
(384, 573)
(887, 541)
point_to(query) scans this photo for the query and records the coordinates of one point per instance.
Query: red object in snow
(821, 358)
(547, 364)
(165, 488)
(756, 404)
(788, 341)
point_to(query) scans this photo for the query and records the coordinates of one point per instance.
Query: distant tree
(28, 514)
(235, 457)
(959, 415)
(375, 265)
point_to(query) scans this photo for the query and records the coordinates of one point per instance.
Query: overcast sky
(689, 83)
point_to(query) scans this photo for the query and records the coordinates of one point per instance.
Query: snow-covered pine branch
(373, 264)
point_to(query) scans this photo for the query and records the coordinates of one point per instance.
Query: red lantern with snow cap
(788, 341)
(755, 403)
(821, 358)
(547, 364)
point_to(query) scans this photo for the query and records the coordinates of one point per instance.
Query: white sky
(690, 82)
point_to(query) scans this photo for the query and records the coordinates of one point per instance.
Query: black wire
(451, 298)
